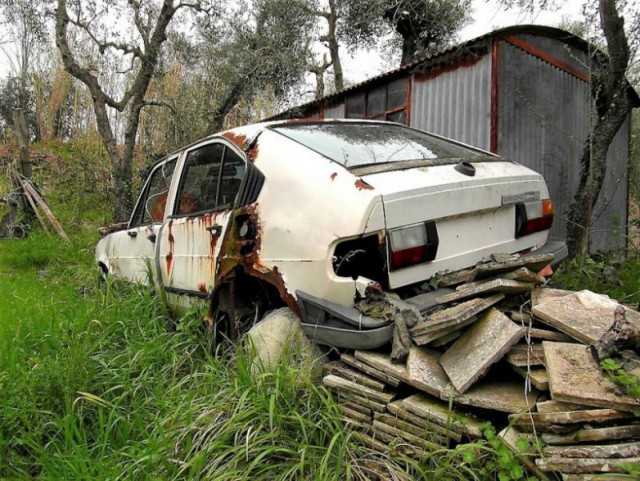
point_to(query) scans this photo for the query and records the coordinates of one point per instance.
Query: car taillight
(533, 217)
(412, 245)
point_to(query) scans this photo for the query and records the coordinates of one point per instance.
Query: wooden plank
(547, 335)
(362, 401)
(339, 369)
(432, 409)
(585, 315)
(407, 427)
(552, 406)
(574, 376)
(536, 375)
(523, 355)
(398, 410)
(42, 204)
(577, 466)
(341, 384)
(354, 415)
(417, 441)
(485, 343)
(33, 205)
(595, 435)
(350, 360)
(623, 450)
(524, 451)
(504, 286)
(591, 416)
(357, 407)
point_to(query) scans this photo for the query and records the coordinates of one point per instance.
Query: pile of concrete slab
(496, 345)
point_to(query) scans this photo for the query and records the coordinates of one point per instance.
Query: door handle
(152, 237)
(215, 229)
(132, 233)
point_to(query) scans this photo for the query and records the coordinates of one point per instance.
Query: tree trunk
(610, 95)
(332, 43)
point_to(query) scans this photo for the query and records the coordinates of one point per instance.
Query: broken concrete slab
(585, 315)
(339, 369)
(350, 360)
(595, 435)
(622, 450)
(523, 447)
(574, 376)
(536, 375)
(426, 374)
(448, 279)
(504, 286)
(427, 301)
(444, 322)
(437, 411)
(345, 385)
(450, 336)
(398, 409)
(485, 343)
(540, 295)
(522, 274)
(595, 477)
(523, 355)
(578, 466)
(503, 396)
(566, 422)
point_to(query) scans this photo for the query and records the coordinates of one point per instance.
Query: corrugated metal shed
(522, 92)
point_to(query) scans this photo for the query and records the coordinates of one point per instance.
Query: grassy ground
(94, 386)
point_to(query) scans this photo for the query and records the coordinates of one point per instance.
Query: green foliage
(629, 383)
(615, 273)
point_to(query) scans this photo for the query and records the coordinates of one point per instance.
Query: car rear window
(355, 144)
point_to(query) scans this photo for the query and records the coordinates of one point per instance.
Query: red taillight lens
(412, 245)
(532, 217)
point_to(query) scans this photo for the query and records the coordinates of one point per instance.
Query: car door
(133, 249)
(191, 238)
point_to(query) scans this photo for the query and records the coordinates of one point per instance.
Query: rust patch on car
(238, 139)
(240, 249)
(169, 258)
(362, 185)
(334, 175)
(252, 155)
(202, 287)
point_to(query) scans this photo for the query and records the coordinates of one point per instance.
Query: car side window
(211, 179)
(150, 207)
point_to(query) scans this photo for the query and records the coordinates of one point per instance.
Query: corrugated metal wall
(543, 121)
(455, 104)
(334, 111)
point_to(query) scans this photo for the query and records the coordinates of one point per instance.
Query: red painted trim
(409, 90)
(493, 136)
(556, 62)
(321, 111)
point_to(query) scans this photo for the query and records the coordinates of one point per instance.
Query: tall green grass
(94, 386)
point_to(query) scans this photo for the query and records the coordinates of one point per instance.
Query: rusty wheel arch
(240, 300)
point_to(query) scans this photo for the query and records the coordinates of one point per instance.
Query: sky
(488, 15)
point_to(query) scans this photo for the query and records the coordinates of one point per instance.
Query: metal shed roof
(451, 55)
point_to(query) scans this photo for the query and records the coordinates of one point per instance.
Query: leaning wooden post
(22, 139)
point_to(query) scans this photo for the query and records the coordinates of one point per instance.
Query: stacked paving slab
(496, 345)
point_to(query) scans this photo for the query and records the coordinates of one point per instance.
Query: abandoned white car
(310, 215)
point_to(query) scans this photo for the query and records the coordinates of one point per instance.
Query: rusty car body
(312, 215)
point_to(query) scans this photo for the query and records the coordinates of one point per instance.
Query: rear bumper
(557, 248)
(325, 322)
